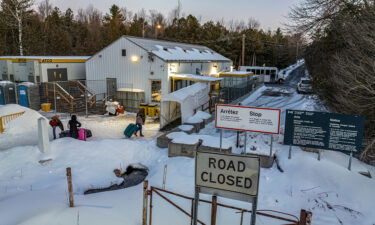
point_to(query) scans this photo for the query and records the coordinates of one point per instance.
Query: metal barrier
(305, 217)
(7, 118)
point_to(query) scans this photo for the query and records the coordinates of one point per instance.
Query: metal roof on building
(175, 51)
(197, 78)
(47, 59)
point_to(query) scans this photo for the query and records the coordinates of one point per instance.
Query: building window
(197, 71)
(155, 90)
(123, 52)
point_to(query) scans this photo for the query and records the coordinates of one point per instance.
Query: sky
(270, 13)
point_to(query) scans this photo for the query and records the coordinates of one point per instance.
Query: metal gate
(148, 204)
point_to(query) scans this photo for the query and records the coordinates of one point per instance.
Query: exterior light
(159, 26)
(135, 58)
(173, 68)
(214, 70)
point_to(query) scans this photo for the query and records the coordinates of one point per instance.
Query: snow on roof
(28, 84)
(184, 93)
(195, 77)
(130, 90)
(258, 67)
(235, 74)
(5, 82)
(175, 51)
(44, 57)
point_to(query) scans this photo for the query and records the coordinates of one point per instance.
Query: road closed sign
(231, 176)
(241, 118)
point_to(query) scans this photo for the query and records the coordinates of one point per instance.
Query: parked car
(304, 86)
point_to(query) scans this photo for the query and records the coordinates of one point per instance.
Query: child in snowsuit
(56, 122)
(73, 126)
(140, 121)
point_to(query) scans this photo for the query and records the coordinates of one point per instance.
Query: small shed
(28, 95)
(9, 92)
(183, 103)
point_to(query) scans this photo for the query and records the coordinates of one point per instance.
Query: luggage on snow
(64, 133)
(130, 130)
(83, 134)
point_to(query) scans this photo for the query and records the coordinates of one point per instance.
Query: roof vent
(165, 49)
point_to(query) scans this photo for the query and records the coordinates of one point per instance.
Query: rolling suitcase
(64, 133)
(82, 134)
(130, 130)
(88, 133)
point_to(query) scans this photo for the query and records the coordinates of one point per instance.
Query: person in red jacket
(56, 122)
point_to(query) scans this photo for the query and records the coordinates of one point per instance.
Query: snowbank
(22, 130)
(287, 71)
(185, 127)
(198, 117)
(33, 194)
(208, 140)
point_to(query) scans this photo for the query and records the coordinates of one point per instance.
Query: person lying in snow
(56, 122)
(140, 121)
(73, 126)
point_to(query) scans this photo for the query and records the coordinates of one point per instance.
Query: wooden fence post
(213, 210)
(70, 186)
(305, 218)
(145, 202)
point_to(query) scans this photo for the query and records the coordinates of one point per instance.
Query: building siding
(109, 63)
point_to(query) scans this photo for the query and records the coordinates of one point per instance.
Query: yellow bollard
(1, 125)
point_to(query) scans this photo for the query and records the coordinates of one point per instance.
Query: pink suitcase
(82, 134)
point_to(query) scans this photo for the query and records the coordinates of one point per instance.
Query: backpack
(53, 123)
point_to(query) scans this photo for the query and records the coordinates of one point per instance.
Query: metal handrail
(7, 118)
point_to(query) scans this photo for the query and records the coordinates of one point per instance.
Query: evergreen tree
(113, 24)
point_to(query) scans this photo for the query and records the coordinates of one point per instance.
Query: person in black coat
(73, 126)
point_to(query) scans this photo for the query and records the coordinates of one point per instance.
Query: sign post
(321, 130)
(271, 145)
(229, 176)
(244, 150)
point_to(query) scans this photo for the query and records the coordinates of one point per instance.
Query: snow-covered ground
(24, 130)
(32, 194)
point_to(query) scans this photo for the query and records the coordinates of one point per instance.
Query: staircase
(69, 97)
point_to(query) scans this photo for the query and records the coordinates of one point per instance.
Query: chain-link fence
(234, 88)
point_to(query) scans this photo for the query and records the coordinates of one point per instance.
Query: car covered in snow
(304, 86)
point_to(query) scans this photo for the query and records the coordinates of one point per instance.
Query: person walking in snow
(56, 122)
(140, 121)
(73, 126)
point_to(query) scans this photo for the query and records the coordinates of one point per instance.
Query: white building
(42, 68)
(149, 65)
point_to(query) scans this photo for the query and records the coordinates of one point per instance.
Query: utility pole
(297, 52)
(143, 29)
(243, 50)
